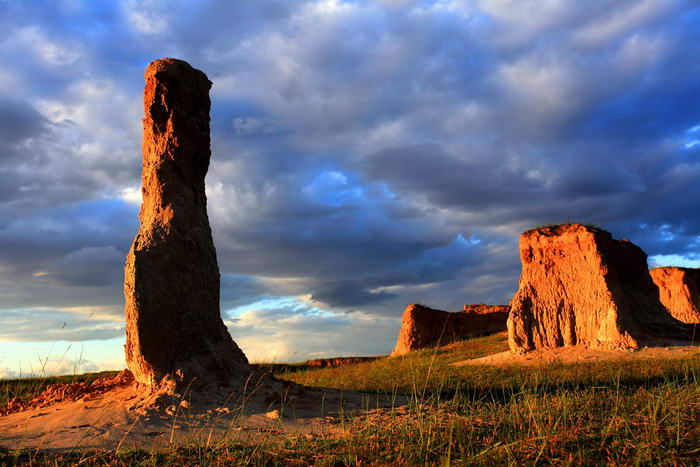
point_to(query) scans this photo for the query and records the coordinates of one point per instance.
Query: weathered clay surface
(679, 291)
(63, 392)
(423, 327)
(174, 328)
(481, 309)
(579, 286)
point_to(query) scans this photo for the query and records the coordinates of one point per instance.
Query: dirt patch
(110, 415)
(67, 392)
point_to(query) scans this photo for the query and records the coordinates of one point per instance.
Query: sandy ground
(579, 354)
(109, 421)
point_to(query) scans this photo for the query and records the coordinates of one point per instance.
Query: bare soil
(117, 418)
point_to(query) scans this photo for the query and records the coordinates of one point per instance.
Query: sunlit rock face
(423, 327)
(174, 328)
(579, 286)
(679, 291)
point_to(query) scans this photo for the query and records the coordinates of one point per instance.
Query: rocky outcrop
(679, 291)
(423, 327)
(579, 286)
(335, 362)
(482, 309)
(174, 330)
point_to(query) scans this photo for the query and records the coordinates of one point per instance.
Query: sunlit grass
(617, 413)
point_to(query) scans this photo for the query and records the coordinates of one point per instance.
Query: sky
(366, 155)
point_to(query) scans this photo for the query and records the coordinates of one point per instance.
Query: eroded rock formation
(579, 286)
(423, 327)
(174, 328)
(481, 309)
(679, 291)
(335, 362)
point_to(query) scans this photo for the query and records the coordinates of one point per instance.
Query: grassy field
(613, 413)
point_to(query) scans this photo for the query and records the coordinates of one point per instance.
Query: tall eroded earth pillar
(173, 322)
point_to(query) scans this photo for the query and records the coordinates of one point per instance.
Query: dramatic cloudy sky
(366, 155)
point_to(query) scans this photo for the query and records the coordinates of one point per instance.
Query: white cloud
(545, 87)
(52, 324)
(49, 51)
(290, 330)
(639, 51)
(148, 16)
(524, 19)
(58, 357)
(673, 260)
(620, 19)
(132, 195)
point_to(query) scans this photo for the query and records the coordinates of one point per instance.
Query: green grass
(427, 370)
(431, 372)
(614, 413)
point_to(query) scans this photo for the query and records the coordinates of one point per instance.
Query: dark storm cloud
(88, 267)
(67, 256)
(238, 290)
(347, 294)
(366, 154)
(20, 122)
(479, 182)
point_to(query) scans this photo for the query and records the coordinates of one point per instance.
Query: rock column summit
(174, 330)
(679, 291)
(579, 286)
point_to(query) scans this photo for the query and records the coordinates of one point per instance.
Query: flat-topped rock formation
(423, 327)
(174, 329)
(579, 286)
(679, 291)
(481, 309)
(336, 362)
